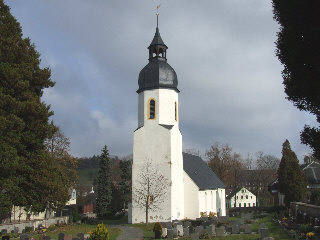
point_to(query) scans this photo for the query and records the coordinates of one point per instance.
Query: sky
(223, 52)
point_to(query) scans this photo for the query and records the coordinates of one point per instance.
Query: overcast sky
(223, 52)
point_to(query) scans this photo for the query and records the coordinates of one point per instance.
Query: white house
(193, 187)
(241, 198)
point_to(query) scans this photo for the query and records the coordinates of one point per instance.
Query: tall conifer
(292, 180)
(104, 189)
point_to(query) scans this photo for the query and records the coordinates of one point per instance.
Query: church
(192, 189)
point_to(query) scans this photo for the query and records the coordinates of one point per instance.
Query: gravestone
(199, 229)
(40, 226)
(211, 230)
(24, 236)
(61, 236)
(86, 236)
(80, 236)
(223, 219)
(187, 224)
(164, 232)
(248, 229)
(180, 230)
(194, 236)
(229, 228)
(175, 231)
(262, 225)
(170, 233)
(220, 231)
(68, 237)
(264, 232)
(5, 238)
(235, 229)
(186, 231)
(168, 225)
(47, 238)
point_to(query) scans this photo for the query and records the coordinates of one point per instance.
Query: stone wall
(34, 223)
(308, 209)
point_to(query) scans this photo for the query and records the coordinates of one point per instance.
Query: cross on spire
(157, 13)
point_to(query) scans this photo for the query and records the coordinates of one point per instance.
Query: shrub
(28, 229)
(52, 227)
(157, 227)
(100, 233)
(305, 228)
(204, 236)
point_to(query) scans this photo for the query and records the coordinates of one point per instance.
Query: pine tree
(298, 51)
(104, 189)
(23, 118)
(292, 180)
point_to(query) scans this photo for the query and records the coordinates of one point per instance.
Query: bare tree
(151, 188)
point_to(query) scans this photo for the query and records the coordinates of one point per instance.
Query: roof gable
(200, 173)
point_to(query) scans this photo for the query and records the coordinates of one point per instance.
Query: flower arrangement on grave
(100, 233)
(212, 214)
(284, 219)
(203, 214)
(310, 235)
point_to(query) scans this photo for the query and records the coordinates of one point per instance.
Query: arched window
(175, 111)
(152, 109)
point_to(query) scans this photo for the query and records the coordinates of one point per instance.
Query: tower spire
(158, 15)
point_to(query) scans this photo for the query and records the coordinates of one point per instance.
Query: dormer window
(152, 109)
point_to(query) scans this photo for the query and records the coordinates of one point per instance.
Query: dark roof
(200, 172)
(167, 126)
(157, 74)
(157, 40)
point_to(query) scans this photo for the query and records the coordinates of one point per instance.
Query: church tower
(158, 140)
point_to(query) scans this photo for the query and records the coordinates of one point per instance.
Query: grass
(75, 229)
(275, 231)
(86, 176)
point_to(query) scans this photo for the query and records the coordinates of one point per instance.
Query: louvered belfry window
(152, 109)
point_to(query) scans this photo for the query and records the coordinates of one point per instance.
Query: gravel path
(130, 233)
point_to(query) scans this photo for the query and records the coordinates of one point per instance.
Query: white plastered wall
(191, 198)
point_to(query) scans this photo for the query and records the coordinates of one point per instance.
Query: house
(241, 198)
(193, 187)
(312, 172)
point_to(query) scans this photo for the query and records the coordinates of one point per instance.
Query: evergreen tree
(292, 180)
(23, 119)
(104, 189)
(298, 51)
(125, 181)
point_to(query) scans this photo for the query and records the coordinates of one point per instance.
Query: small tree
(125, 181)
(104, 189)
(150, 191)
(292, 180)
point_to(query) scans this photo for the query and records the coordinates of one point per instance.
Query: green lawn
(86, 176)
(75, 229)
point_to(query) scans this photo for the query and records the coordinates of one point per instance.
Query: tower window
(152, 109)
(175, 111)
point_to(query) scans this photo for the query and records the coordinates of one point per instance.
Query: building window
(249, 204)
(241, 197)
(237, 197)
(239, 204)
(247, 197)
(245, 205)
(253, 204)
(175, 111)
(234, 205)
(152, 109)
(251, 197)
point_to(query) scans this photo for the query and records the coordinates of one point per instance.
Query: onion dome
(157, 73)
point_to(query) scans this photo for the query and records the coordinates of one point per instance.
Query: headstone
(5, 238)
(194, 236)
(186, 231)
(223, 219)
(199, 229)
(180, 230)
(24, 236)
(229, 228)
(220, 231)
(47, 238)
(164, 232)
(40, 226)
(61, 236)
(262, 225)
(80, 236)
(248, 229)
(68, 237)
(211, 230)
(169, 225)
(264, 232)
(170, 233)
(175, 231)
(187, 224)
(86, 236)
(235, 229)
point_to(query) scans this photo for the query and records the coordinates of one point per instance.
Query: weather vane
(157, 13)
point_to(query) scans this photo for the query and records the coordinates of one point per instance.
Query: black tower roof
(157, 73)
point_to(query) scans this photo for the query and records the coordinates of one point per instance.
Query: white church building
(192, 186)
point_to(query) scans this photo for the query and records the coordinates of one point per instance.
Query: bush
(305, 228)
(52, 227)
(28, 229)
(157, 227)
(74, 214)
(100, 233)
(204, 236)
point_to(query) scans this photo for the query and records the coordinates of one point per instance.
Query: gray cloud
(223, 53)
